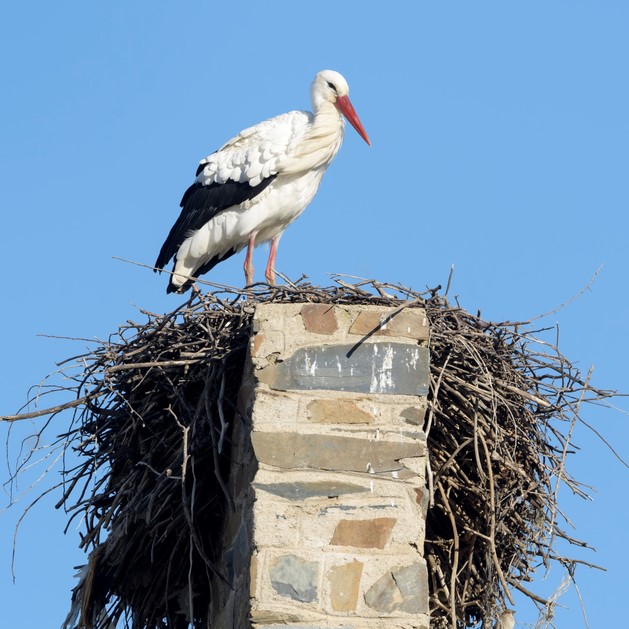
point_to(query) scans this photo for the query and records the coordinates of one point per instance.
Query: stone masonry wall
(328, 478)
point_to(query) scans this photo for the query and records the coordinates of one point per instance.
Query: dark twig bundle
(152, 411)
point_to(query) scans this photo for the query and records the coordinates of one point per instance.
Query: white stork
(253, 187)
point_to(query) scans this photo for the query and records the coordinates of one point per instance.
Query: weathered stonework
(329, 472)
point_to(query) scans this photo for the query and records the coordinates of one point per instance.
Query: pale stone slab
(314, 489)
(290, 450)
(374, 368)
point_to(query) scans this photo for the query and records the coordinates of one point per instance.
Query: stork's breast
(285, 199)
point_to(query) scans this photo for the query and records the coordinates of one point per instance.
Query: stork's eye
(332, 86)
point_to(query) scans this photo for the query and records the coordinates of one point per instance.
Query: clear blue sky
(500, 144)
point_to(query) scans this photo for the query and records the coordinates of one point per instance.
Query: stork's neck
(320, 143)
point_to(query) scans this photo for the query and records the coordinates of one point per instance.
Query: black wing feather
(200, 204)
(171, 288)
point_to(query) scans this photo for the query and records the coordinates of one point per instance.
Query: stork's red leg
(270, 267)
(248, 266)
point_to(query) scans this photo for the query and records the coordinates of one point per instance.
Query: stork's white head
(331, 87)
(327, 86)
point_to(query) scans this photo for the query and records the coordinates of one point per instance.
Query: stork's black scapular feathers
(200, 204)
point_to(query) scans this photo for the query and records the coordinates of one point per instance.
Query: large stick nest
(152, 411)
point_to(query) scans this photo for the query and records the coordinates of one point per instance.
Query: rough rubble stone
(375, 368)
(414, 415)
(413, 585)
(295, 578)
(363, 533)
(404, 588)
(384, 595)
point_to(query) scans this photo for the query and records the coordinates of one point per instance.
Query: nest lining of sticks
(152, 410)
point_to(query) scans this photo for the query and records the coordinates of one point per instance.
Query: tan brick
(407, 324)
(258, 339)
(319, 318)
(337, 412)
(363, 533)
(345, 586)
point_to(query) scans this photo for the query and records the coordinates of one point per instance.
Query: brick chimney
(329, 473)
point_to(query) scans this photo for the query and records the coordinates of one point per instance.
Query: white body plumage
(256, 184)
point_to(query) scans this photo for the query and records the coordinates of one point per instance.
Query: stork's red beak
(344, 105)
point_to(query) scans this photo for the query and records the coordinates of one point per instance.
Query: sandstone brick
(363, 533)
(319, 318)
(410, 323)
(345, 585)
(337, 412)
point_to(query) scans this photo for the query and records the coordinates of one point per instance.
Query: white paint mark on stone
(382, 379)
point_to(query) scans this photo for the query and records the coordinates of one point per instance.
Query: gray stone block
(375, 368)
(403, 589)
(295, 578)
